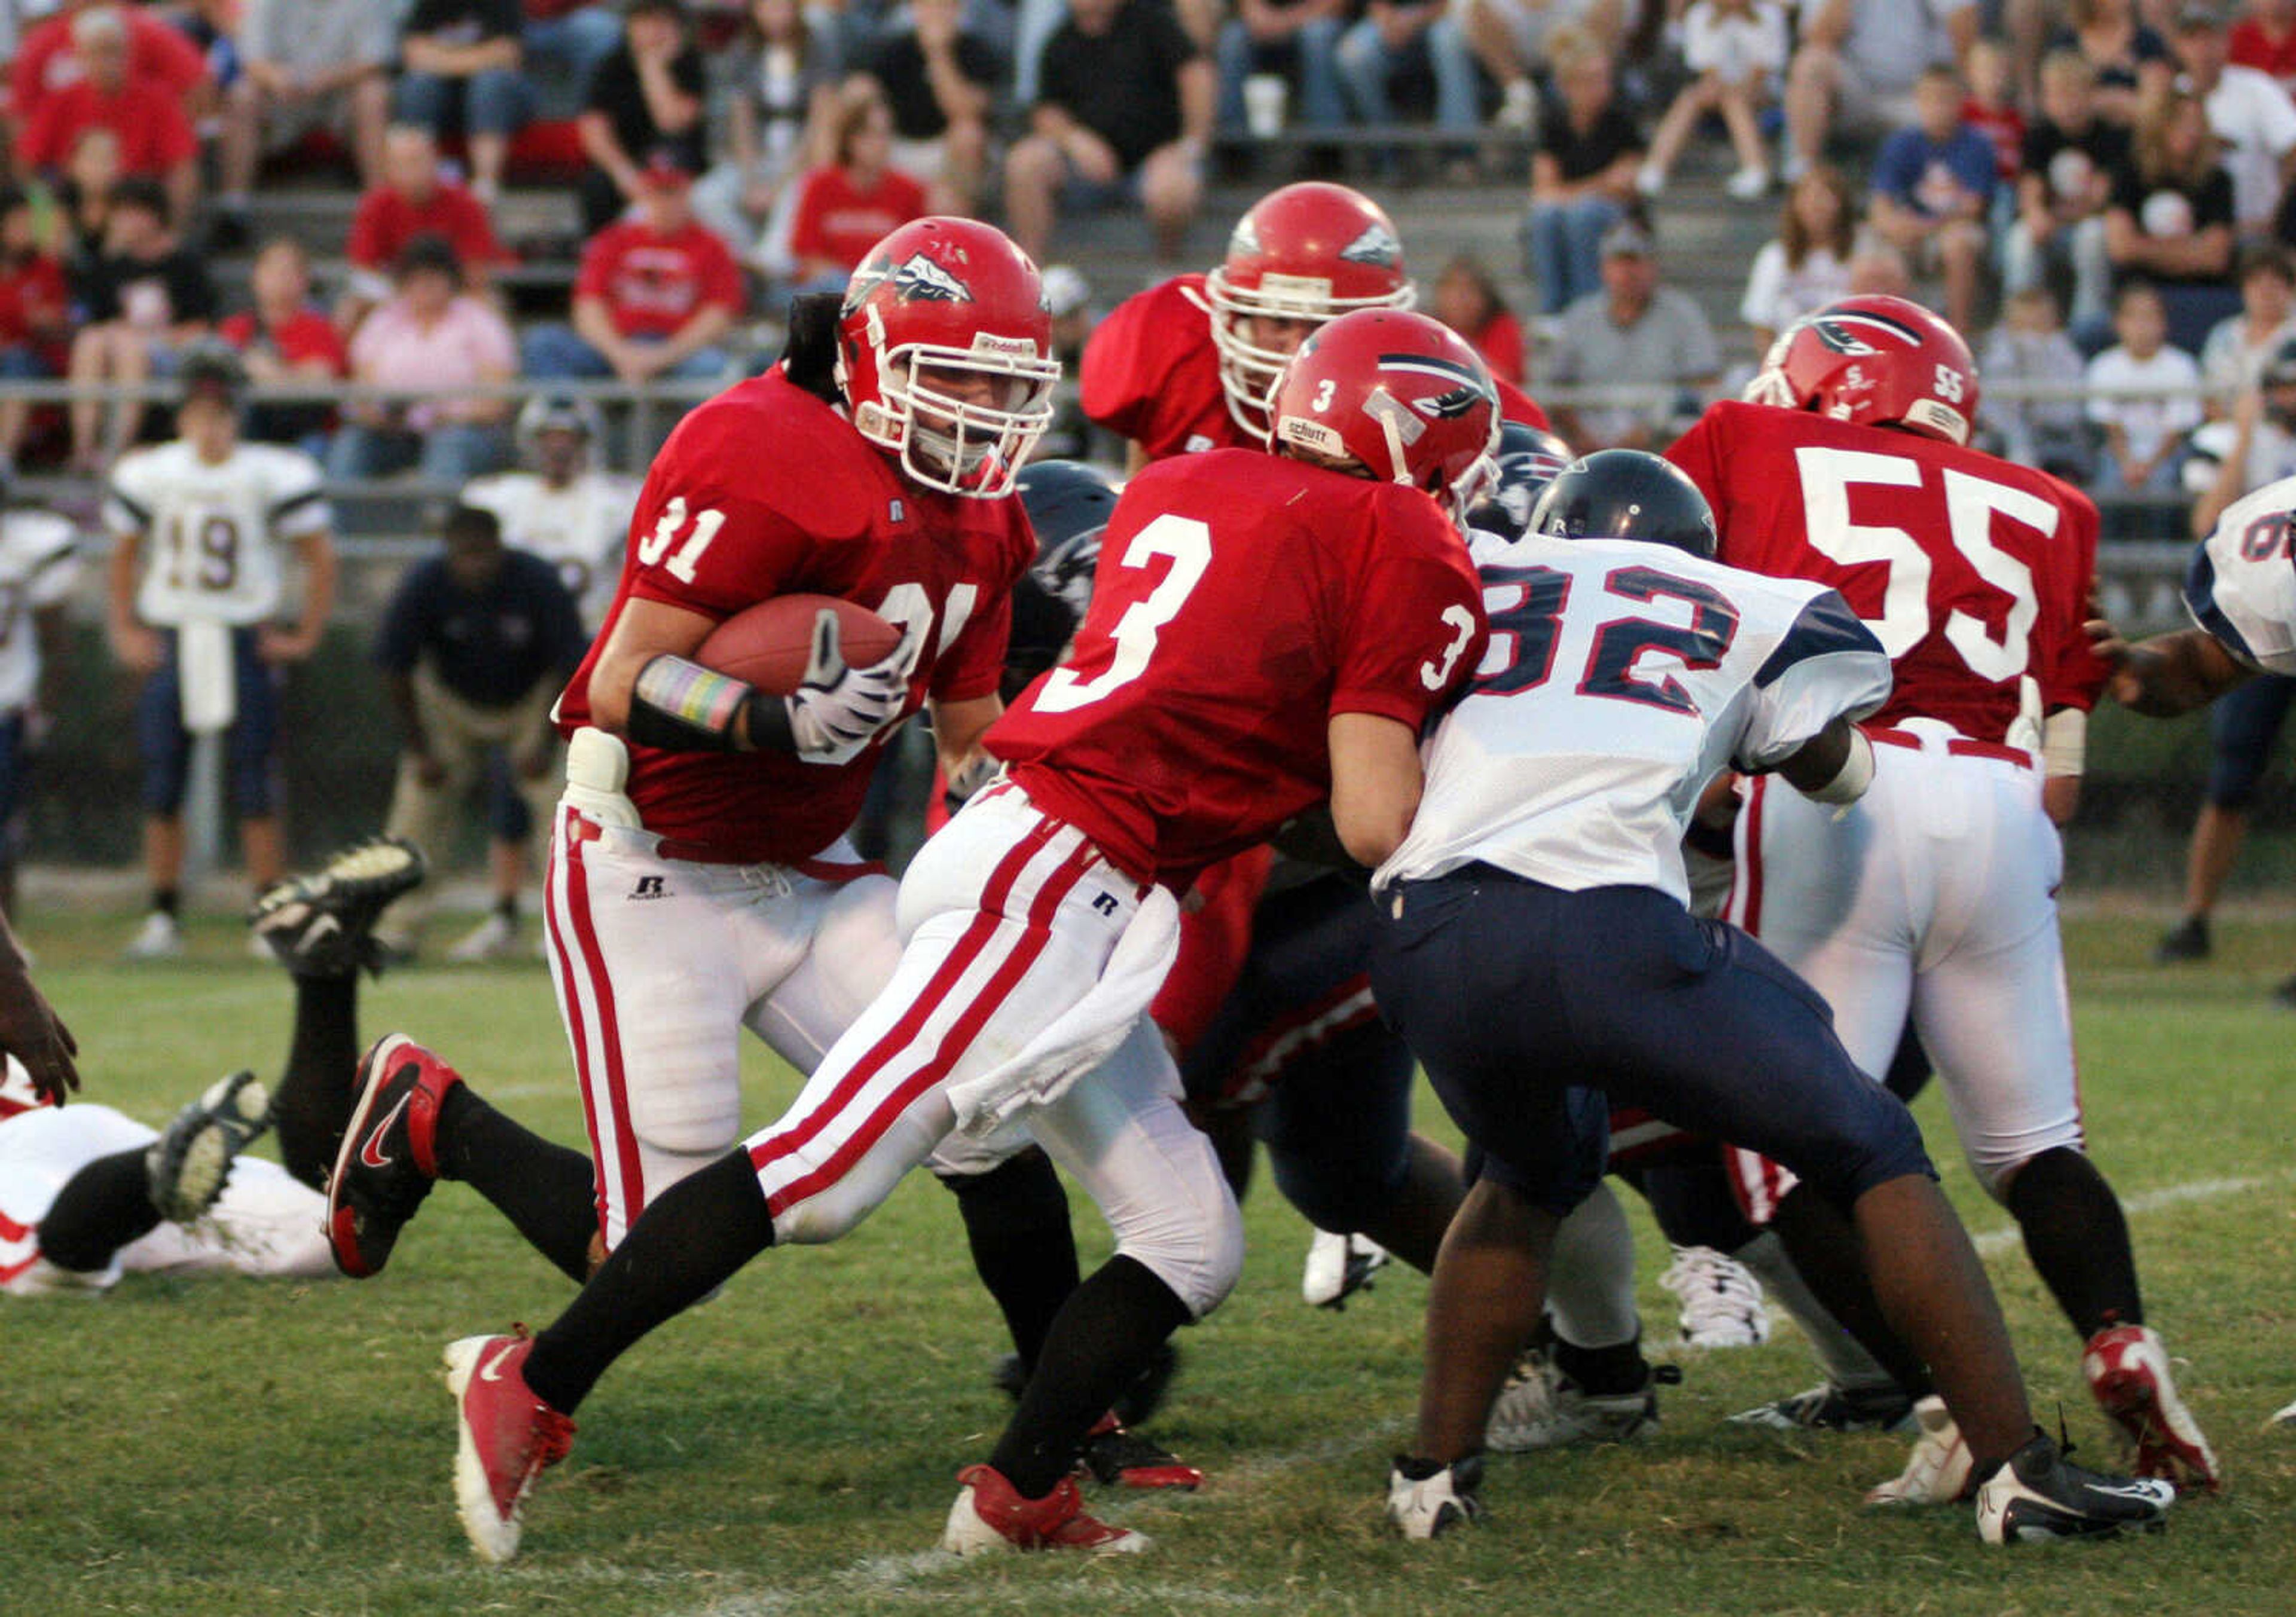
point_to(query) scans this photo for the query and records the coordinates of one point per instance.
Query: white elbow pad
(2064, 742)
(1856, 774)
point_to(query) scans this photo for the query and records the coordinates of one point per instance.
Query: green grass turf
(235, 1446)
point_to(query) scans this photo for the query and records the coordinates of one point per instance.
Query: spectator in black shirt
(1124, 111)
(2170, 218)
(1582, 180)
(646, 97)
(2072, 159)
(142, 298)
(940, 80)
(475, 646)
(462, 59)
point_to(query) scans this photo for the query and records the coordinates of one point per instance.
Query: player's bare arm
(317, 552)
(1376, 780)
(957, 729)
(2168, 673)
(30, 1028)
(135, 644)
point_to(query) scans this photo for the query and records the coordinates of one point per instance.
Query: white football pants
(1935, 893)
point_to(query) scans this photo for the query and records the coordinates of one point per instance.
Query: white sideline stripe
(1994, 1242)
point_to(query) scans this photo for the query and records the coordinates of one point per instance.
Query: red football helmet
(1309, 251)
(1879, 360)
(1396, 393)
(939, 303)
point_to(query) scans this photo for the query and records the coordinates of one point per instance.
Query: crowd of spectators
(2057, 176)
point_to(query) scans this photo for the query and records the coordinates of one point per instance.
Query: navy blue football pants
(1533, 1009)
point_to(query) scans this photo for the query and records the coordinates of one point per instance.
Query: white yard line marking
(1992, 1243)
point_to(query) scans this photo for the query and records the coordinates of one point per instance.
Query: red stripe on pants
(618, 1096)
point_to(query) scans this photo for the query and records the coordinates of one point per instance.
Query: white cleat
(1541, 1407)
(1721, 1301)
(492, 939)
(1338, 1267)
(158, 939)
(990, 1514)
(1430, 1505)
(1937, 1472)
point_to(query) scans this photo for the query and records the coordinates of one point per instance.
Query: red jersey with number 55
(1242, 599)
(1973, 572)
(1151, 373)
(764, 491)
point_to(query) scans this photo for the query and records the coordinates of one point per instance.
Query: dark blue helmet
(1624, 494)
(1069, 504)
(1527, 458)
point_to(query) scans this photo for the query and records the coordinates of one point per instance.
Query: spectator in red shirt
(1467, 300)
(1990, 107)
(2265, 40)
(415, 198)
(656, 295)
(35, 314)
(156, 140)
(158, 54)
(844, 207)
(286, 340)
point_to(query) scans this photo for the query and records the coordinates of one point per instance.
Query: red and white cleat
(504, 1438)
(2128, 1370)
(390, 1155)
(990, 1514)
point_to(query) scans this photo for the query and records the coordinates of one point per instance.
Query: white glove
(837, 709)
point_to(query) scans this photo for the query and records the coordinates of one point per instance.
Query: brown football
(767, 645)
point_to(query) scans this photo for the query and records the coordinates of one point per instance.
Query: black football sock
(312, 1105)
(1604, 1371)
(1016, 1220)
(101, 1208)
(1104, 1336)
(683, 1247)
(2078, 1239)
(165, 901)
(546, 1190)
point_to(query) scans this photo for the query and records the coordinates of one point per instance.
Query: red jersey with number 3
(764, 491)
(1151, 373)
(1973, 572)
(1242, 599)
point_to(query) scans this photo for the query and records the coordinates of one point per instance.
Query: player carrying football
(1937, 893)
(699, 879)
(1266, 633)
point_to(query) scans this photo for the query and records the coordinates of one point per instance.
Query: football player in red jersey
(1937, 894)
(699, 879)
(1185, 365)
(1266, 635)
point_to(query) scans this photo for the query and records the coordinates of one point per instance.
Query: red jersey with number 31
(764, 491)
(1973, 572)
(1241, 599)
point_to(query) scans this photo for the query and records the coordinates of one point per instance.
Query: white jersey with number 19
(2242, 584)
(214, 529)
(1620, 678)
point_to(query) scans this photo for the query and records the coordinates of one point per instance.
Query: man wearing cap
(475, 646)
(656, 294)
(2248, 112)
(1634, 332)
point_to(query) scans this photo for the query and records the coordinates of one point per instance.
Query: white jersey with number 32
(2242, 584)
(212, 532)
(1620, 678)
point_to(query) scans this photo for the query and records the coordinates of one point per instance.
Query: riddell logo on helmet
(1012, 347)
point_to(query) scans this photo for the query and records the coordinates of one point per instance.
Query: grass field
(229, 1446)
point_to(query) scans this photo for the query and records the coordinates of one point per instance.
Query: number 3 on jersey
(1188, 544)
(1971, 504)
